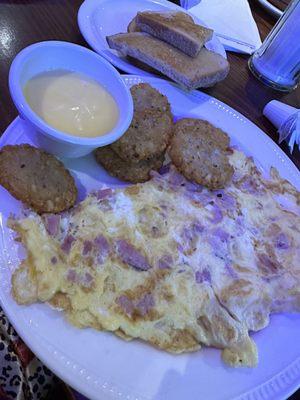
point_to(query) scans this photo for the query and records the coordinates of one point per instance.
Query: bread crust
(132, 26)
(205, 70)
(176, 28)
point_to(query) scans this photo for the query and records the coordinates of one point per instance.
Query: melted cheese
(72, 103)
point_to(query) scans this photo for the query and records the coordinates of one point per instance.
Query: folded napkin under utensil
(231, 20)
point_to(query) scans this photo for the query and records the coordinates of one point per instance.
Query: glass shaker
(277, 62)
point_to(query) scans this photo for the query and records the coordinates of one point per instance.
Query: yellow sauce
(72, 103)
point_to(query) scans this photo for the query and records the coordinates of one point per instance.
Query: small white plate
(104, 367)
(100, 18)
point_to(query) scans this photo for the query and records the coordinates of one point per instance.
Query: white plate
(100, 18)
(102, 366)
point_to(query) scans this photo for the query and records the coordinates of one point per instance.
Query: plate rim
(87, 34)
(275, 386)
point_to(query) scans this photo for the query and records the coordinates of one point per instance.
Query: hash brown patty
(134, 173)
(147, 137)
(146, 97)
(36, 178)
(199, 151)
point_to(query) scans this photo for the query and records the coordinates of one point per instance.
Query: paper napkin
(232, 22)
(287, 121)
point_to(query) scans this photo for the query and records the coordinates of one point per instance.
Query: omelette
(169, 261)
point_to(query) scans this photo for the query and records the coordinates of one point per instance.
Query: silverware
(270, 8)
(237, 41)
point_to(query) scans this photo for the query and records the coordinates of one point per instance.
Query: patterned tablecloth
(22, 375)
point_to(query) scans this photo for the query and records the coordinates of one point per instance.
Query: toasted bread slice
(143, 66)
(175, 28)
(205, 70)
(132, 27)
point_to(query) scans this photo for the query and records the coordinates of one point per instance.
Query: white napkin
(290, 131)
(287, 121)
(232, 22)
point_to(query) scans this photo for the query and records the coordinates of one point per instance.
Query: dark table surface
(281, 4)
(23, 22)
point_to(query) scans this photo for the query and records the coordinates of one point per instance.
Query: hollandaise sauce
(72, 103)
